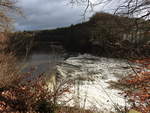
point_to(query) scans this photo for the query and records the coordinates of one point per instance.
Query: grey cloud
(43, 14)
(47, 14)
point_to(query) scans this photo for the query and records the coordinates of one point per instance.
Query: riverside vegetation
(102, 36)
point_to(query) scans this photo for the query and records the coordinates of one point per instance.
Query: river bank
(91, 78)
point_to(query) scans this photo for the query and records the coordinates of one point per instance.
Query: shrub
(8, 70)
(138, 91)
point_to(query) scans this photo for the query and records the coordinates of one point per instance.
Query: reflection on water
(42, 62)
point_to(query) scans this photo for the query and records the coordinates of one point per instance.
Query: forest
(104, 35)
(101, 65)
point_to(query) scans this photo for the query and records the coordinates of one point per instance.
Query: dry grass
(8, 70)
(72, 110)
(8, 66)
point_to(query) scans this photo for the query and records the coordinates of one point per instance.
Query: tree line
(104, 32)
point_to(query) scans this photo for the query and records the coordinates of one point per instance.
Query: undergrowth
(136, 87)
(21, 94)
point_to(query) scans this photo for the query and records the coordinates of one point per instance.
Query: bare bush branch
(131, 8)
(7, 7)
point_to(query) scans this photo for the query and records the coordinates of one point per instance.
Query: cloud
(48, 14)
(44, 14)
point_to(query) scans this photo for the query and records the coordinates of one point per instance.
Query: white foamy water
(92, 90)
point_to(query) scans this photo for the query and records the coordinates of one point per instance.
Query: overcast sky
(48, 14)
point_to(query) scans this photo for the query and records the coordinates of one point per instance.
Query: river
(92, 76)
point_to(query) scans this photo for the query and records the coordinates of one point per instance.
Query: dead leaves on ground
(138, 92)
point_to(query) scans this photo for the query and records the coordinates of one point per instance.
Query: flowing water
(91, 74)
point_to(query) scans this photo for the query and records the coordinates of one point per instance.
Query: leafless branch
(7, 7)
(127, 7)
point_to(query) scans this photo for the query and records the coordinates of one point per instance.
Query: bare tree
(7, 7)
(131, 8)
(138, 10)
